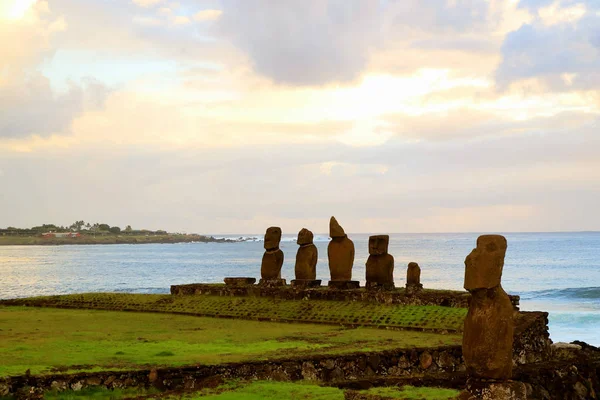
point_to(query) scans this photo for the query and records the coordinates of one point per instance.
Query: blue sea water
(554, 272)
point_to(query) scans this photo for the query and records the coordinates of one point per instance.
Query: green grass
(266, 390)
(47, 339)
(260, 308)
(257, 390)
(99, 393)
(410, 392)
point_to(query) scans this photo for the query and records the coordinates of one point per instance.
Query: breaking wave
(587, 293)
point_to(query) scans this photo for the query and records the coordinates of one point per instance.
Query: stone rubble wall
(575, 379)
(315, 368)
(532, 342)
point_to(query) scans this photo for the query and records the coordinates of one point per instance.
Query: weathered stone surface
(380, 269)
(272, 260)
(413, 274)
(488, 335)
(306, 283)
(304, 237)
(306, 257)
(489, 325)
(532, 342)
(425, 360)
(380, 264)
(496, 391)
(241, 281)
(483, 267)
(564, 351)
(343, 285)
(378, 244)
(272, 238)
(379, 286)
(335, 229)
(340, 252)
(271, 283)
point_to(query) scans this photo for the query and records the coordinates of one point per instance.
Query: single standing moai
(413, 278)
(489, 326)
(340, 252)
(306, 258)
(380, 264)
(272, 260)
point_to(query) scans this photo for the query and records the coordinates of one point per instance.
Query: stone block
(343, 284)
(306, 283)
(272, 282)
(241, 281)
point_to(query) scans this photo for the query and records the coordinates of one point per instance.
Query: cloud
(29, 104)
(147, 3)
(265, 111)
(305, 43)
(322, 42)
(180, 20)
(533, 182)
(560, 48)
(207, 15)
(33, 108)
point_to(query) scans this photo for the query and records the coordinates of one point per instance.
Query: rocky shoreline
(113, 239)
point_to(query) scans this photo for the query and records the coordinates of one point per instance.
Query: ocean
(554, 272)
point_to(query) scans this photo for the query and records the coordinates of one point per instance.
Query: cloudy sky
(228, 116)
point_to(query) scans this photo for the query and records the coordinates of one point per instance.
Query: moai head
(272, 238)
(335, 230)
(304, 237)
(378, 244)
(483, 267)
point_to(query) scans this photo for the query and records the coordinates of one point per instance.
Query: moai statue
(380, 264)
(489, 326)
(341, 256)
(413, 278)
(306, 258)
(272, 260)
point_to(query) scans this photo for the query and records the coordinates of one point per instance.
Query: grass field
(260, 308)
(262, 390)
(46, 339)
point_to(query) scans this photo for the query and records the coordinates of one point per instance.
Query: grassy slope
(42, 338)
(260, 308)
(262, 390)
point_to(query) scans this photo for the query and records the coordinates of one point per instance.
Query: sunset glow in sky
(229, 116)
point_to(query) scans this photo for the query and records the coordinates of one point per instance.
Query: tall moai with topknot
(489, 326)
(340, 252)
(272, 261)
(380, 264)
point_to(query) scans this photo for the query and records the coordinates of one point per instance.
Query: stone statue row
(340, 252)
(488, 327)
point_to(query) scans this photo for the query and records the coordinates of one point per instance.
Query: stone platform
(431, 297)
(343, 285)
(240, 281)
(306, 283)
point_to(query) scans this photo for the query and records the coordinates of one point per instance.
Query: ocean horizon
(557, 272)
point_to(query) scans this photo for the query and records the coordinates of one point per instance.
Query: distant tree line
(78, 226)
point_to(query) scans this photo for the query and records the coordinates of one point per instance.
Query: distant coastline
(110, 239)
